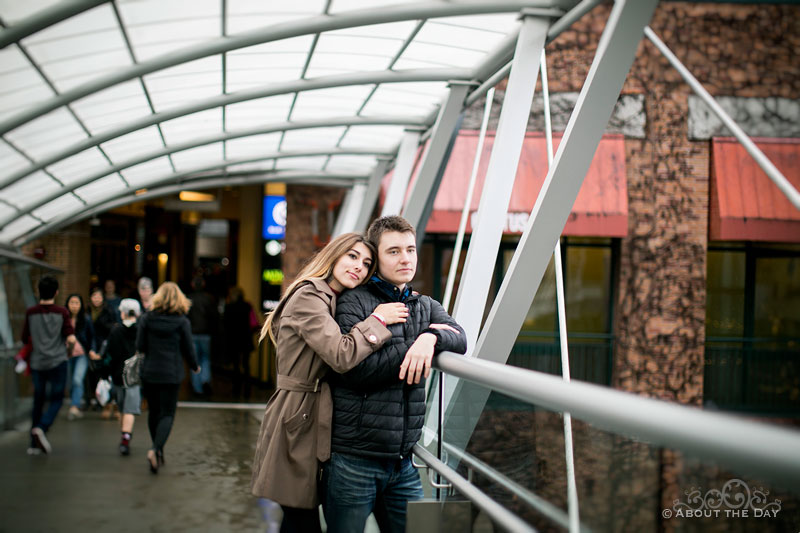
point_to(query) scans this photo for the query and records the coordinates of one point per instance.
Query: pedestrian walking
(165, 338)
(48, 329)
(81, 351)
(121, 346)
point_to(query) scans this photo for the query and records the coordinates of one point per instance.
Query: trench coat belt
(298, 385)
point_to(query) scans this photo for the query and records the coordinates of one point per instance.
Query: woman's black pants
(162, 400)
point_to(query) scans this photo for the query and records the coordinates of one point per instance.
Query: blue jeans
(202, 346)
(77, 371)
(354, 487)
(56, 379)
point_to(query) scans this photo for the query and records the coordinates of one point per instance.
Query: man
(49, 331)
(112, 298)
(379, 406)
(204, 318)
(145, 289)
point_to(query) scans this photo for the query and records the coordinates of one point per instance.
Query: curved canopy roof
(101, 100)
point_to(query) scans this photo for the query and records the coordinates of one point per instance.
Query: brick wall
(307, 206)
(68, 250)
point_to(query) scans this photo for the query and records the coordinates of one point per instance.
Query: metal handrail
(539, 504)
(768, 451)
(499, 514)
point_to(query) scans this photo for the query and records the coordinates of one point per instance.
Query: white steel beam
(404, 165)
(371, 195)
(426, 184)
(351, 207)
(615, 54)
(496, 194)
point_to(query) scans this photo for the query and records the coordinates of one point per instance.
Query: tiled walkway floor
(85, 485)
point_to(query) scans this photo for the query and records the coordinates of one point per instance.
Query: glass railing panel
(623, 484)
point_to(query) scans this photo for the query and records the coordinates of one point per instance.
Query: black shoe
(207, 389)
(160, 457)
(125, 448)
(152, 462)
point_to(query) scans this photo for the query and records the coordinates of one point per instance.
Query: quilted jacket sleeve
(446, 341)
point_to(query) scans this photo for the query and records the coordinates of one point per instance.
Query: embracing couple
(353, 342)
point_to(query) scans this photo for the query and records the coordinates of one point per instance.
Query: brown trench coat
(295, 433)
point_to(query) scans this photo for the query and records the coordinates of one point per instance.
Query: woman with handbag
(165, 339)
(295, 431)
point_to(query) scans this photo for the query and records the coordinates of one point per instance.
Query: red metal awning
(601, 208)
(745, 204)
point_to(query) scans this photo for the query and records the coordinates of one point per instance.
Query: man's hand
(418, 359)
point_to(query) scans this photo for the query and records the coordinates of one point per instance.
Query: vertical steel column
(351, 207)
(572, 486)
(615, 54)
(403, 167)
(426, 184)
(371, 195)
(496, 194)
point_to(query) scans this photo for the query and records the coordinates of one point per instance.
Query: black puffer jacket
(375, 414)
(165, 340)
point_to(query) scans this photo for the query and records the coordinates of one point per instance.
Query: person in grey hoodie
(165, 339)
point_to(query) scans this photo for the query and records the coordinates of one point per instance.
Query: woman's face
(74, 305)
(97, 299)
(351, 269)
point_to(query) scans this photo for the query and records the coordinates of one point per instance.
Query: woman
(295, 432)
(103, 319)
(238, 340)
(78, 361)
(122, 346)
(164, 337)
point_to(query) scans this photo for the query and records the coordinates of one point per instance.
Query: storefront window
(752, 356)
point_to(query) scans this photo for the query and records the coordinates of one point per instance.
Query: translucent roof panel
(134, 144)
(48, 134)
(21, 85)
(25, 191)
(253, 146)
(79, 49)
(235, 83)
(260, 112)
(78, 167)
(57, 207)
(245, 15)
(157, 27)
(102, 189)
(113, 107)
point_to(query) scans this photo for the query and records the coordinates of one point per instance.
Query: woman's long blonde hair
(170, 299)
(321, 266)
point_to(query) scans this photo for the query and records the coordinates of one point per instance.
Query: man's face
(397, 257)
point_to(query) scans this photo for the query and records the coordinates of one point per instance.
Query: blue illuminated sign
(274, 226)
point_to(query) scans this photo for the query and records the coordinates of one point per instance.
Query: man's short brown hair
(388, 223)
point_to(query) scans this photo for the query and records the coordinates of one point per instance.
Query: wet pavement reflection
(84, 484)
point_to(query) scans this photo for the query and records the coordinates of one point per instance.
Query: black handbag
(132, 370)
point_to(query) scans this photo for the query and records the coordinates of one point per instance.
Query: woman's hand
(94, 356)
(393, 313)
(444, 326)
